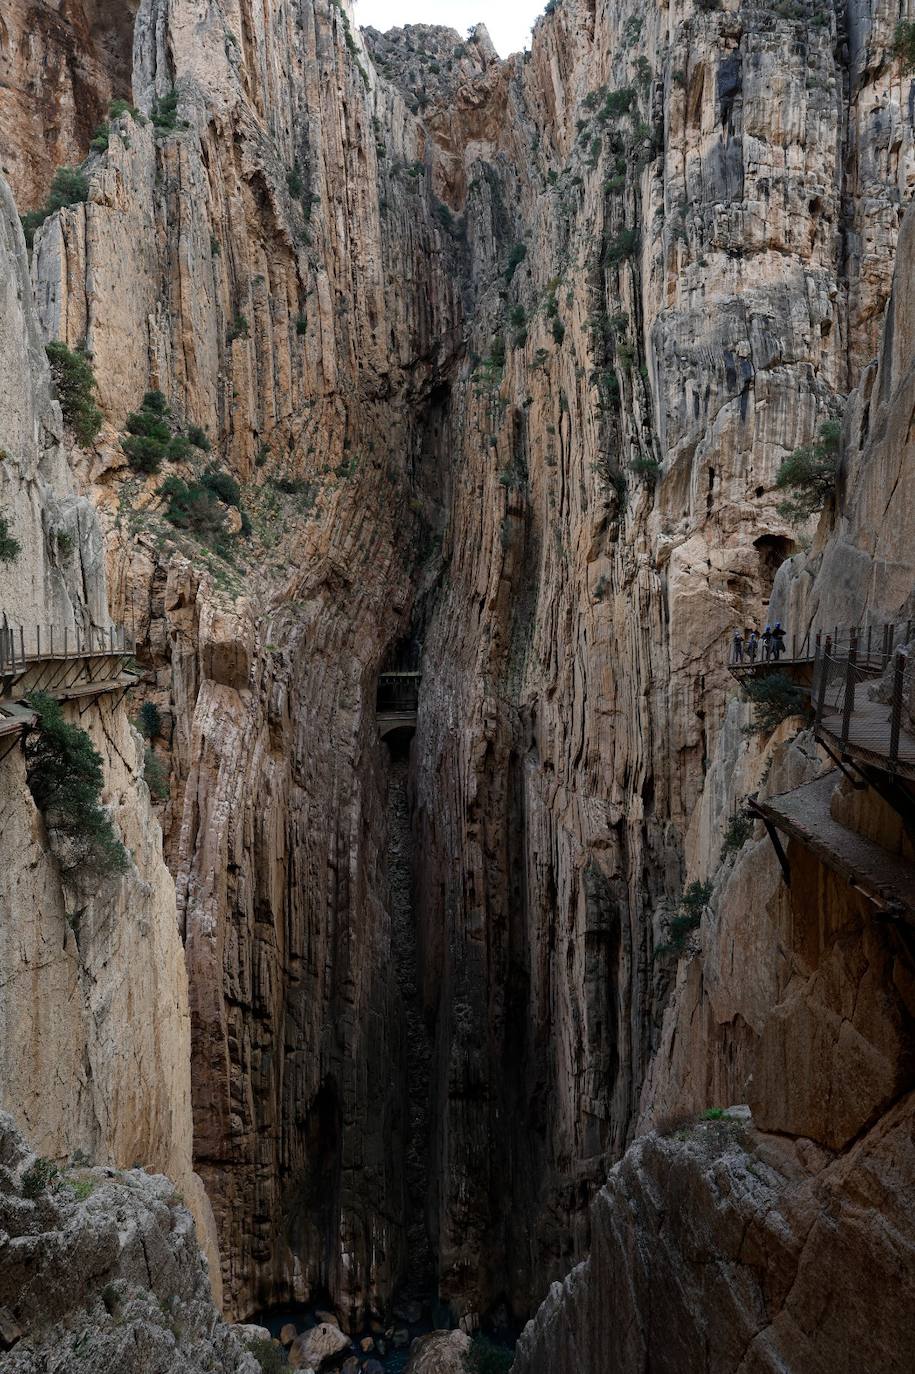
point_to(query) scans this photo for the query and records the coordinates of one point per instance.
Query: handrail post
(38, 638)
(65, 641)
(824, 673)
(51, 632)
(869, 629)
(885, 651)
(22, 643)
(849, 706)
(794, 643)
(896, 711)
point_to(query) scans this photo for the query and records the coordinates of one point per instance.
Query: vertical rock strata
(94, 1019)
(526, 342)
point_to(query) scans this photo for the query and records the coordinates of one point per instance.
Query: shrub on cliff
(736, 833)
(904, 45)
(810, 475)
(70, 186)
(64, 773)
(151, 438)
(155, 775)
(9, 547)
(775, 698)
(485, 1357)
(222, 484)
(74, 382)
(692, 905)
(149, 720)
(194, 507)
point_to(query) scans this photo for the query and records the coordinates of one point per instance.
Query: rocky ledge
(717, 1248)
(100, 1270)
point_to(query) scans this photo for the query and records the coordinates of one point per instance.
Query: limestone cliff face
(61, 64)
(506, 357)
(93, 1005)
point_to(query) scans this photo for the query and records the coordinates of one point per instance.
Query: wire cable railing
(863, 724)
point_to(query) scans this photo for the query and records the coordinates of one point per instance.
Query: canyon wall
(505, 357)
(94, 1001)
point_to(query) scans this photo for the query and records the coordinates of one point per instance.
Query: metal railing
(398, 692)
(23, 645)
(863, 726)
(875, 645)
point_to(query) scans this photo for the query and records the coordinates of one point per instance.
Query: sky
(509, 26)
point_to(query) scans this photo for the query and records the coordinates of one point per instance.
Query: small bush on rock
(692, 904)
(151, 439)
(74, 381)
(64, 773)
(194, 507)
(38, 1177)
(270, 1357)
(10, 548)
(904, 45)
(69, 187)
(149, 720)
(155, 775)
(222, 484)
(736, 833)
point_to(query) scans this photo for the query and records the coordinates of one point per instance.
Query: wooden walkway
(869, 737)
(888, 880)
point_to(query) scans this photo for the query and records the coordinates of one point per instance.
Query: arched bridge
(398, 692)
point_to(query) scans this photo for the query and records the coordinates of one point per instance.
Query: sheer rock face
(544, 443)
(93, 1006)
(61, 63)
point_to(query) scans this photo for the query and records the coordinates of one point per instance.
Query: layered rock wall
(94, 1017)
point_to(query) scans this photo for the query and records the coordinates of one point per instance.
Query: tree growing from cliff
(775, 698)
(74, 381)
(69, 187)
(904, 45)
(809, 474)
(65, 777)
(9, 547)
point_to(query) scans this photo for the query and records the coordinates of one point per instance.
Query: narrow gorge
(433, 934)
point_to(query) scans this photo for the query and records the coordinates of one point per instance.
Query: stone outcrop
(101, 1270)
(506, 357)
(722, 1248)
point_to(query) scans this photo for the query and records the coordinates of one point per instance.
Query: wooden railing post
(850, 666)
(896, 711)
(885, 651)
(824, 673)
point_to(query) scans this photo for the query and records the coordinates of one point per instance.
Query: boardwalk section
(887, 880)
(67, 663)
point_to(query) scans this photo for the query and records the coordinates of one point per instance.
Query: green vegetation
(239, 328)
(64, 773)
(39, 1176)
(194, 507)
(149, 721)
(74, 381)
(270, 1357)
(736, 833)
(515, 259)
(692, 904)
(559, 330)
(10, 548)
(618, 103)
(775, 698)
(621, 247)
(810, 475)
(164, 113)
(646, 467)
(70, 186)
(485, 1357)
(301, 325)
(81, 1188)
(904, 45)
(199, 438)
(155, 775)
(152, 439)
(713, 1114)
(222, 484)
(294, 183)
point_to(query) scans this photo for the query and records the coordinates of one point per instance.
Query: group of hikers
(768, 646)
